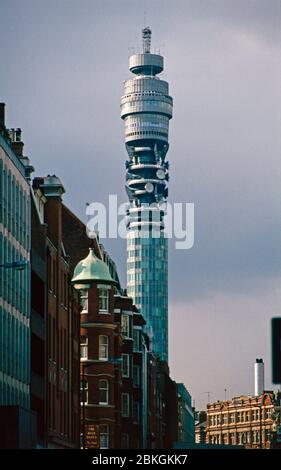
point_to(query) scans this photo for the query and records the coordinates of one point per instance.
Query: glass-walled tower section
(146, 109)
(15, 231)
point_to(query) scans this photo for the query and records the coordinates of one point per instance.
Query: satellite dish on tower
(160, 174)
(149, 187)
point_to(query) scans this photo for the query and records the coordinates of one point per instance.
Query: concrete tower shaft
(146, 109)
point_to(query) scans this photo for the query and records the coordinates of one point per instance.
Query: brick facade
(55, 323)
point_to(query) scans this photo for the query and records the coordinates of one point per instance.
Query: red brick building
(128, 399)
(130, 324)
(100, 350)
(139, 378)
(55, 323)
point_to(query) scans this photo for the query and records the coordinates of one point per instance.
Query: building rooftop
(91, 269)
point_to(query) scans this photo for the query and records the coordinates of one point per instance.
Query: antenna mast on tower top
(146, 39)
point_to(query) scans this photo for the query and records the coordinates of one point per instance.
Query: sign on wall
(92, 438)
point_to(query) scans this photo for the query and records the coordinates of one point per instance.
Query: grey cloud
(62, 70)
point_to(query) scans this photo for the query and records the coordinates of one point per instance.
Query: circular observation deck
(146, 63)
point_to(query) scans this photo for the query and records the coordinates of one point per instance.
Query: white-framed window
(241, 438)
(84, 347)
(103, 300)
(103, 392)
(136, 376)
(125, 365)
(268, 413)
(104, 436)
(84, 301)
(125, 440)
(84, 391)
(103, 348)
(125, 405)
(126, 325)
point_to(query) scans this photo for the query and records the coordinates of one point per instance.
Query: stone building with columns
(249, 421)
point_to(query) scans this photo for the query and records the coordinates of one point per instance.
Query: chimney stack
(2, 116)
(17, 144)
(259, 377)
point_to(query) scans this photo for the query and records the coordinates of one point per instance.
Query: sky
(62, 68)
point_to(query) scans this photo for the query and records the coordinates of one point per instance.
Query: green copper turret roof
(91, 269)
